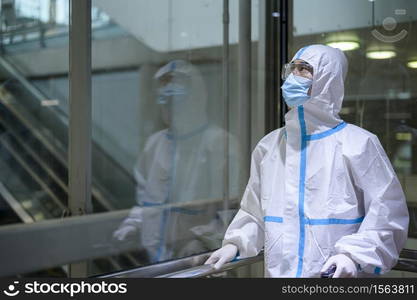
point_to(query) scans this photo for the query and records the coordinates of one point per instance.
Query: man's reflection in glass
(179, 167)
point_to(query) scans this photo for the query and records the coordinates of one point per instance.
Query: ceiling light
(344, 46)
(381, 54)
(412, 64)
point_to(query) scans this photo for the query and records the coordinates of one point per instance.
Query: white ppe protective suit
(183, 163)
(320, 187)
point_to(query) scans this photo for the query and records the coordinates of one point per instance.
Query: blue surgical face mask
(295, 90)
(172, 91)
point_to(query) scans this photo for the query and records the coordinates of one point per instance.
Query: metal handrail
(193, 267)
(409, 254)
(406, 265)
(207, 270)
(188, 267)
(160, 269)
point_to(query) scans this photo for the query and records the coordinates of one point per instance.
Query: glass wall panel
(168, 144)
(33, 127)
(380, 93)
(171, 135)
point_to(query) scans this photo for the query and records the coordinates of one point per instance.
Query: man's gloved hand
(223, 255)
(345, 267)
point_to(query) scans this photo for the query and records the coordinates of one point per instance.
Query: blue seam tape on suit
(308, 221)
(162, 233)
(303, 166)
(303, 162)
(165, 212)
(273, 219)
(333, 221)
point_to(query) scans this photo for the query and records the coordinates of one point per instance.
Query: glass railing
(34, 157)
(200, 167)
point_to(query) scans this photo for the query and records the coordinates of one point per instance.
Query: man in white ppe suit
(321, 192)
(182, 164)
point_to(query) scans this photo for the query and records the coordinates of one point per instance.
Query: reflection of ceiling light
(347, 110)
(412, 64)
(344, 46)
(380, 54)
(50, 102)
(403, 136)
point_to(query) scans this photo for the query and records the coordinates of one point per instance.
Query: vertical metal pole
(245, 87)
(79, 172)
(284, 25)
(52, 12)
(2, 50)
(171, 28)
(272, 65)
(226, 98)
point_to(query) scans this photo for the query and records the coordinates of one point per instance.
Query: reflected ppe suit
(321, 187)
(182, 164)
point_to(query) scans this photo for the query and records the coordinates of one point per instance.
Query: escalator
(34, 167)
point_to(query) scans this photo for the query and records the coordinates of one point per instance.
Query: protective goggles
(303, 69)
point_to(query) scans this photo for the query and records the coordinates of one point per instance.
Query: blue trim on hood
(327, 133)
(300, 52)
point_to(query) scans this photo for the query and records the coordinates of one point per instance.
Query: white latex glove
(345, 267)
(121, 233)
(130, 225)
(221, 256)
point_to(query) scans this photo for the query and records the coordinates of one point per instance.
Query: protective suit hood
(190, 116)
(330, 69)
